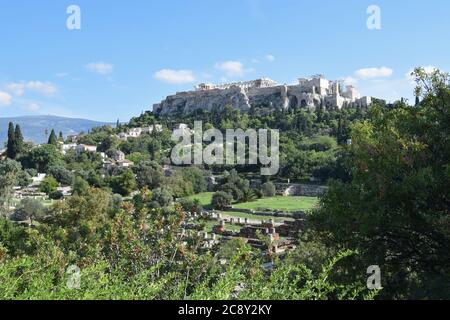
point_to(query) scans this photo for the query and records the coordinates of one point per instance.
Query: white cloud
(374, 73)
(101, 68)
(19, 88)
(5, 99)
(232, 68)
(175, 76)
(42, 87)
(270, 58)
(377, 82)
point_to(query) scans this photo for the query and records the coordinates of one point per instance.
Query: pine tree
(10, 146)
(18, 140)
(61, 137)
(52, 139)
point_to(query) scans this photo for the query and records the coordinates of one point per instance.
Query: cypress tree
(61, 137)
(52, 139)
(18, 140)
(10, 146)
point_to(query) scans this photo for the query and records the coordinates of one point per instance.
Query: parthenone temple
(310, 93)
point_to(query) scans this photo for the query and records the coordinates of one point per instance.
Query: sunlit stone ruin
(310, 93)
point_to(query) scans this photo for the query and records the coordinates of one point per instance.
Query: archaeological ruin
(310, 93)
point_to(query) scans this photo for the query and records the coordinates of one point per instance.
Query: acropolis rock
(311, 93)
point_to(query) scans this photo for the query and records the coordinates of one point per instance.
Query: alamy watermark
(374, 19)
(73, 278)
(374, 280)
(263, 147)
(73, 22)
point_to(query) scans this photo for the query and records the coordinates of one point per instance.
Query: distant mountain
(34, 127)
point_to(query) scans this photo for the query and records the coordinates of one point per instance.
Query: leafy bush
(221, 200)
(268, 189)
(48, 185)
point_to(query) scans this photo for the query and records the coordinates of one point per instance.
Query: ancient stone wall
(305, 190)
(294, 189)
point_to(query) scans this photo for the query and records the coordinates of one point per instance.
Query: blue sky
(131, 54)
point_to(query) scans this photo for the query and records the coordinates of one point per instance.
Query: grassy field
(281, 203)
(273, 203)
(205, 199)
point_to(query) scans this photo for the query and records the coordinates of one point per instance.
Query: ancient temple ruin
(310, 93)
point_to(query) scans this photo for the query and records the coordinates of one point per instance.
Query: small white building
(67, 147)
(36, 181)
(137, 132)
(85, 148)
(124, 163)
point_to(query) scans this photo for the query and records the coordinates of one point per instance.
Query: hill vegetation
(135, 231)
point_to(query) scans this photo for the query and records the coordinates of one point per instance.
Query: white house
(67, 147)
(85, 148)
(137, 132)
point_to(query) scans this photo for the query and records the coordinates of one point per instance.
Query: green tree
(268, 189)
(221, 200)
(395, 210)
(248, 195)
(195, 176)
(24, 179)
(124, 184)
(80, 186)
(48, 185)
(18, 140)
(62, 175)
(53, 140)
(30, 209)
(9, 172)
(11, 151)
(149, 174)
(234, 185)
(163, 196)
(43, 157)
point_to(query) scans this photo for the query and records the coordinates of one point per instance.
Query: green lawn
(273, 203)
(205, 198)
(281, 203)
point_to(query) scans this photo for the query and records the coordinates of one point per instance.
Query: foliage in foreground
(44, 277)
(125, 252)
(396, 209)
